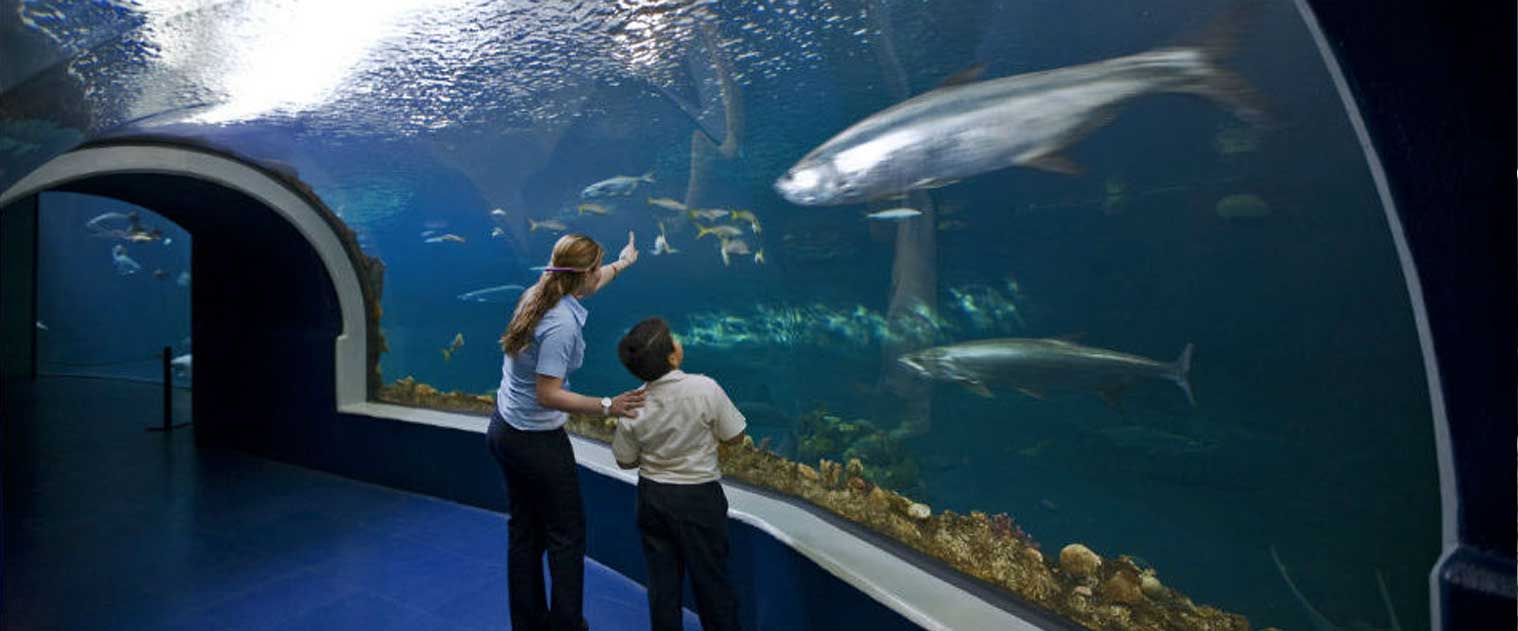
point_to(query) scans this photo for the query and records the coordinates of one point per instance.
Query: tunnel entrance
(113, 291)
(279, 325)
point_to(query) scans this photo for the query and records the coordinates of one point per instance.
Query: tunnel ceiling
(399, 67)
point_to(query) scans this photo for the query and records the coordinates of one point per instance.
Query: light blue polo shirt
(557, 349)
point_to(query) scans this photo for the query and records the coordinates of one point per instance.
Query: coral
(874, 455)
(1113, 594)
(408, 391)
(855, 467)
(1079, 561)
(1123, 587)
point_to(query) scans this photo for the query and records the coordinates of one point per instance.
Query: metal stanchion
(168, 394)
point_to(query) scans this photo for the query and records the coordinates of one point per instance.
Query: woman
(543, 345)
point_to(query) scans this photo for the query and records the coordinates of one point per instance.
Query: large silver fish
(1033, 366)
(969, 127)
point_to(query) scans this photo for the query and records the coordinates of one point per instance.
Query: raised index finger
(630, 238)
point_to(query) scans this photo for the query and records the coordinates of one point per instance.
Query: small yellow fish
(1035, 450)
(722, 232)
(551, 225)
(747, 215)
(709, 214)
(453, 347)
(950, 225)
(594, 209)
(759, 257)
(667, 204)
(661, 243)
(732, 246)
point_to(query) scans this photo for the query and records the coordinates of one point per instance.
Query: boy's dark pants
(684, 529)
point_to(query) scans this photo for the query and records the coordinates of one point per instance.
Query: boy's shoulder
(701, 383)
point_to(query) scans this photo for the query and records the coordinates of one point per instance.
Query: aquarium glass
(1150, 306)
(113, 290)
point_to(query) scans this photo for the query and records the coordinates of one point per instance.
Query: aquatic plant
(976, 309)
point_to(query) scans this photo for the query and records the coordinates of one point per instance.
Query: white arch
(168, 160)
(1448, 493)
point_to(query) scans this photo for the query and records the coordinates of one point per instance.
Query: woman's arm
(552, 395)
(606, 273)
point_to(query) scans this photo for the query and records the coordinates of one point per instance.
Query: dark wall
(1435, 84)
(18, 302)
(18, 289)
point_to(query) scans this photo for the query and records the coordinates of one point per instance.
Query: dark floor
(107, 526)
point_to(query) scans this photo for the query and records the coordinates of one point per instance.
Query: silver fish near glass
(1033, 366)
(894, 214)
(125, 265)
(501, 293)
(661, 243)
(551, 225)
(968, 127)
(733, 246)
(619, 186)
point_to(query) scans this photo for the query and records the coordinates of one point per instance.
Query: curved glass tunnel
(1273, 457)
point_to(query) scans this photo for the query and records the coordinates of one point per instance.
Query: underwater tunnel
(1339, 453)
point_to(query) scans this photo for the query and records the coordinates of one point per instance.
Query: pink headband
(554, 268)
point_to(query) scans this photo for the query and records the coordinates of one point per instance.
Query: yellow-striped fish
(453, 347)
(667, 204)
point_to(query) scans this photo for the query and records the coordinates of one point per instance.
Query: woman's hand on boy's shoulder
(626, 405)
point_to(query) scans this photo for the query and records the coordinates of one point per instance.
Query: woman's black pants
(547, 515)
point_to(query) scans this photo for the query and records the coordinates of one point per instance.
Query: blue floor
(110, 527)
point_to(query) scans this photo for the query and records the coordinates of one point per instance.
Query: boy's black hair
(646, 348)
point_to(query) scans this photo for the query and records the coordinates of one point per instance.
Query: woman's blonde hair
(575, 260)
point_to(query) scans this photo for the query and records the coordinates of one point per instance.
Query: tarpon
(183, 365)
(492, 294)
(1154, 441)
(619, 186)
(968, 127)
(1032, 366)
(125, 265)
(894, 214)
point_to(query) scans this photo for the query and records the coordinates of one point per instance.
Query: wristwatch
(606, 405)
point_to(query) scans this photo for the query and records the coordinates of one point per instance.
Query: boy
(682, 511)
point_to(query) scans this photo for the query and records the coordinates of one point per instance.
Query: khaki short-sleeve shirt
(674, 438)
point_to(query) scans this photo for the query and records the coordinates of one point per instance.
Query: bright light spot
(268, 56)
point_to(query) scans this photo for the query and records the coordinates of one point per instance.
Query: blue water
(1312, 430)
(95, 319)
